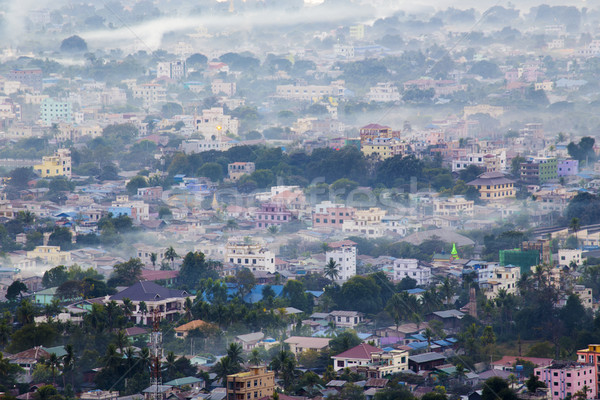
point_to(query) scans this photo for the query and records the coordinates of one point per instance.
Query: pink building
(272, 214)
(150, 193)
(564, 379)
(328, 215)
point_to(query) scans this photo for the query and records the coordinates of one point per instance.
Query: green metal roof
(189, 380)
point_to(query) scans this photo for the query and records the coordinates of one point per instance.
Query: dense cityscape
(289, 200)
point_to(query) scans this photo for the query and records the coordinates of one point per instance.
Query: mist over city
(294, 200)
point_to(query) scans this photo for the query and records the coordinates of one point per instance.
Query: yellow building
(494, 186)
(57, 165)
(50, 255)
(254, 384)
(357, 31)
(383, 148)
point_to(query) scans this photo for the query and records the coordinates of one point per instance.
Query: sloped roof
(363, 351)
(426, 357)
(189, 380)
(34, 353)
(308, 342)
(148, 291)
(375, 126)
(251, 337)
(195, 324)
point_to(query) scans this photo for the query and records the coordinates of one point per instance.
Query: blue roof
(417, 345)
(256, 294)
(415, 291)
(388, 349)
(316, 293)
(418, 337)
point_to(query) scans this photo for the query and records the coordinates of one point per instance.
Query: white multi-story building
(565, 256)
(343, 50)
(344, 255)
(217, 86)
(52, 111)
(367, 223)
(171, 69)
(453, 207)
(310, 92)
(150, 93)
(214, 121)
(493, 278)
(411, 268)
(250, 255)
(384, 91)
(135, 209)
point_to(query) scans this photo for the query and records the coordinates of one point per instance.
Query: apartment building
(249, 255)
(257, 383)
(493, 278)
(218, 86)
(151, 94)
(238, 169)
(310, 92)
(57, 165)
(383, 92)
(565, 379)
(330, 215)
(494, 186)
(50, 255)
(344, 255)
(272, 214)
(52, 111)
(453, 207)
(213, 122)
(175, 70)
(410, 268)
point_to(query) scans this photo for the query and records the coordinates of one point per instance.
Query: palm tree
(284, 365)
(171, 255)
(225, 367)
(153, 258)
(121, 340)
(68, 363)
(130, 355)
(575, 226)
(447, 290)
(429, 337)
(187, 308)
(331, 270)
(171, 367)
(234, 352)
(330, 330)
(111, 358)
(255, 358)
(273, 229)
(127, 307)
(54, 363)
(111, 310)
(395, 307)
(143, 309)
(144, 355)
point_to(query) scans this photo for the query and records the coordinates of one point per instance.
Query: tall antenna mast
(156, 353)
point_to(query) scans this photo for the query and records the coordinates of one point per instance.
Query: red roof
(148, 275)
(509, 361)
(363, 351)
